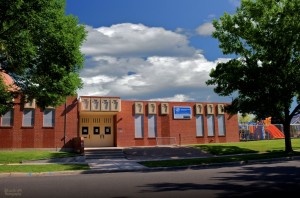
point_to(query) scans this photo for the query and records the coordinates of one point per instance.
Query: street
(265, 179)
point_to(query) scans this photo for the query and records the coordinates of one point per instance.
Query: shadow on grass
(63, 154)
(224, 150)
(220, 159)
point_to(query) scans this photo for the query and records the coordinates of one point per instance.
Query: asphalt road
(263, 180)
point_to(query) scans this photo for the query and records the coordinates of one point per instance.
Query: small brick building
(110, 122)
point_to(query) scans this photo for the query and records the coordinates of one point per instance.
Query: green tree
(264, 35)
(245, 117)
(40, 50)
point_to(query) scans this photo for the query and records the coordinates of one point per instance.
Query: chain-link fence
(259, 131)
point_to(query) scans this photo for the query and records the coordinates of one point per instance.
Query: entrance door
(98, 131)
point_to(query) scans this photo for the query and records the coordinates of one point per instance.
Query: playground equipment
(260, 131)
(273, 131)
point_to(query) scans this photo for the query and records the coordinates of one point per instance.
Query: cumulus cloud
(135, 40)
(205, 29)
(134, 61)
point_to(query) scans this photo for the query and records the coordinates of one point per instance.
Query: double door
(97, 131)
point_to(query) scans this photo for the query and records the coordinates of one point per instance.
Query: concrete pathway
(114, 165)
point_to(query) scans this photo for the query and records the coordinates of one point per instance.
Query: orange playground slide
(274, 131)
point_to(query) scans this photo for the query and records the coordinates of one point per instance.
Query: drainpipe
(65, 123)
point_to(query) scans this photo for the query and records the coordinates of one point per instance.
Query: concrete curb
(195, 167)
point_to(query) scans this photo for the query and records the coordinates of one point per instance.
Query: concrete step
(104, 153)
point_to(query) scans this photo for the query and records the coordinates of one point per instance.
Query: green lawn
(8, 157)
(247, 147)
(254, 150)
(10, 161)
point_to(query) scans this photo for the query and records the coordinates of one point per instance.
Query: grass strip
(43, 168)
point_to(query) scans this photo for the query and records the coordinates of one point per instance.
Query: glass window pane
(199, 125)
(28, 117)
(210, 125)
(221, 125)
(139, 126)
(7, 118)
(48, 120)
(152, 126)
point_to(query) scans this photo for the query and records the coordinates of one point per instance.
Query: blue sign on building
(182, 112)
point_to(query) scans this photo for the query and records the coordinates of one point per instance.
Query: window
(48, 120)
(139, 126)
(152, 126)
(199, 125)
(28, 118)
(85, 130)
(7, 118)
(96, 130)
(210, 125)
(221, 125)
(107, 130)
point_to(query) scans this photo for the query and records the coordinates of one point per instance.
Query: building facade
(28, 126)
(112, 122)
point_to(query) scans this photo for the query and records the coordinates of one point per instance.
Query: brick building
(27, 126)
(110, 122)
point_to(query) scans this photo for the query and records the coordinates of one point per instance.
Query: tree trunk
(287, 137)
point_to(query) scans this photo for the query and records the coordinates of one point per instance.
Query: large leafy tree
(40, 50)
(265, 75)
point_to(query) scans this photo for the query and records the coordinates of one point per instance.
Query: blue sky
(150, 49)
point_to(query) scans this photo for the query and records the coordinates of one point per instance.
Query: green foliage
(5, 98)
(40, 49)
(246, 118)
(265, 37)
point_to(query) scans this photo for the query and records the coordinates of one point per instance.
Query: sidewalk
(133, 155)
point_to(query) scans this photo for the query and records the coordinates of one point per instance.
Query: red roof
(8, 81)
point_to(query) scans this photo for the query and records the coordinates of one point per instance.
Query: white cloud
(235, 2)
(134, 61)
(177, 98)
(135, 40)
(205, 29)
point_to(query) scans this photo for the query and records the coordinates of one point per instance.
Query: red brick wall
(38, 136)
(44, 137)
(183, 130)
